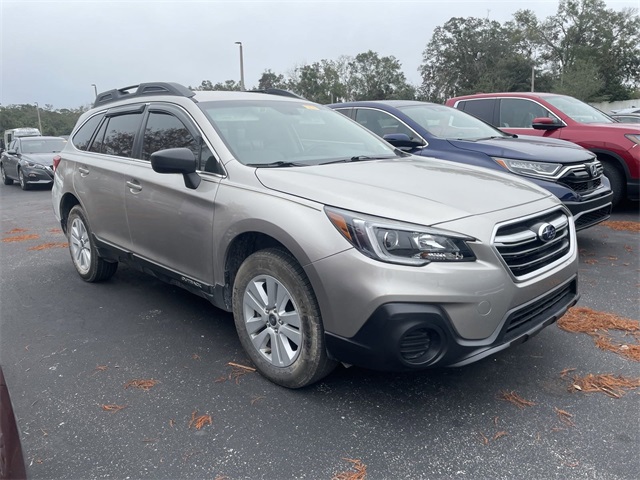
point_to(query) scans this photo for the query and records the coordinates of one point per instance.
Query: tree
(319, 82)
(468, 55)
(271, 80)
(227, 85)
(378, 78)
(584, 37)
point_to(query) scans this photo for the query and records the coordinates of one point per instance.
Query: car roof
(389, 103)
(40, 137)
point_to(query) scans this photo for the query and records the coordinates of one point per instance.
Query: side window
(120, 134)
(381, 123)
(98, 141)
(519, 113)
(164, 130)
(483, 108)
(83, 136)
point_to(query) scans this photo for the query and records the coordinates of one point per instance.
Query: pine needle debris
(612, 385)
(360, 472)
(516, 399)
(145, 385)
(199, 421)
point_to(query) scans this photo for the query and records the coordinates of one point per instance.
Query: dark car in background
(29, 160)
(571, 173)
(550, 115)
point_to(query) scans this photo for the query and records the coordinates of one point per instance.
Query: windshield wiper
(356, 158)
(279, 163)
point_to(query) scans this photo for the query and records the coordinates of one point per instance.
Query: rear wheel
(278, 320)
(89, 265)
(6, 180)
(617, 181)
(23, 181)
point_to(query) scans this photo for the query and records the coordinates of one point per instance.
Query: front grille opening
(520, 246)
(591, 218)
(420, 345)
(528, 316)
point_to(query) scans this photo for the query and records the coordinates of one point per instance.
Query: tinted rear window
(482, 109)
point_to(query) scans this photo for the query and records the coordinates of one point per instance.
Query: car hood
(414, 189)
(41, 158)
(527, 148)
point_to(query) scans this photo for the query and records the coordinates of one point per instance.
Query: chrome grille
(524, 251)
(584, 178)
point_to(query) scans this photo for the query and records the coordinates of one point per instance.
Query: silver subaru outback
(326, 243)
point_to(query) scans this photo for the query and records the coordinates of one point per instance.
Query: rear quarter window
(82, 138)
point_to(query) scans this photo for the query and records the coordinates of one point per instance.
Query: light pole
(39, 122)
(95, 89)
(241, 67)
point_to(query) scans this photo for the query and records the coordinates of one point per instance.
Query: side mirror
(402, 140)
(545, 123)
(177, 160)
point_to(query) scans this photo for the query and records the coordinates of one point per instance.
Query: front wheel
(23, 181)
(278, 320)
(89, 265)
(6, 180)
(617, 181)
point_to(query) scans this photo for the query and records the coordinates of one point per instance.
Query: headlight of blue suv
(528, 168)
(400, 243)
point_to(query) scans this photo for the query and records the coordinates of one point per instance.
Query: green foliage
(226, 85)
(586, 38)
(54, 122)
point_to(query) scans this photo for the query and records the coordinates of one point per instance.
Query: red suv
(617, 145)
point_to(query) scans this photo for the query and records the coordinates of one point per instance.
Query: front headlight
(528, 168)
(400, 243)
(634, 138)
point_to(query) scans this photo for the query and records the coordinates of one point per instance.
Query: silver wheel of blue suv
(326, 243)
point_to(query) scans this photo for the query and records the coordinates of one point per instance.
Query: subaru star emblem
(593, 170)
(546, 232)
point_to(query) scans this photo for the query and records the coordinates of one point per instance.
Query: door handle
(134, 186)
(83, 171)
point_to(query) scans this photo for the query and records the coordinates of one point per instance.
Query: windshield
(447, 122)
(278, 133)
(42, 145)
(577, 110)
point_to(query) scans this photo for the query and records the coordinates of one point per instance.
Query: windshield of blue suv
(450, 123)
(577, 110)
(268, 133)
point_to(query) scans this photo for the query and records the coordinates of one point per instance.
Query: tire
(617, 180)
(278, 320)
(6, 180)
(84, 255)
(23, 181)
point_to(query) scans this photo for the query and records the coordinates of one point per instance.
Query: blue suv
(570, 172)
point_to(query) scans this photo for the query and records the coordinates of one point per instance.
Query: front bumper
(590, 212)
(414, 336)
(37, 175)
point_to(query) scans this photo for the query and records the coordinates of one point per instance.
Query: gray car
(326, 243)
(29, 160)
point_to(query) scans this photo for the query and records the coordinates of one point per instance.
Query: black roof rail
(154, 88)
(278, 91)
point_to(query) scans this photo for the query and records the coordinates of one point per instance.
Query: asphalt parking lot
(71, 352)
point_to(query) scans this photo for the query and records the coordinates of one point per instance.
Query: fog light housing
(420, 345)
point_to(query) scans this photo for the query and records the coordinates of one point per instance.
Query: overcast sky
(53, 51)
